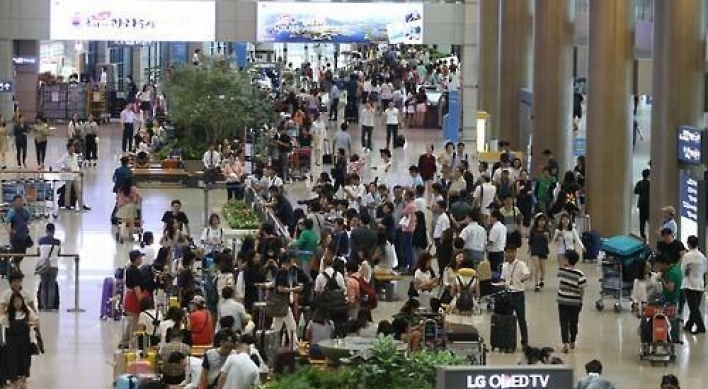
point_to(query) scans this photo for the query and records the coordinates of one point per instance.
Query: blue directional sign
(6, 86)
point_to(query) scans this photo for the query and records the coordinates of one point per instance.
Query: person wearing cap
(15, 279)
(133, 294)
(668, 214)
(201, 322)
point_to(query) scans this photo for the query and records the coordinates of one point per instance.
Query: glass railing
(645, 9)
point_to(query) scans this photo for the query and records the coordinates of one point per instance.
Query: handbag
(277, 304)
(43, 267)
(412, 291)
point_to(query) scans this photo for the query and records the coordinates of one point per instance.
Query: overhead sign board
(282, 21)
(24, 61)
(691, 145)
(136, 20)
(505, 377)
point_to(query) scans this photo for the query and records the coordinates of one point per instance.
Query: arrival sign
(505, 377)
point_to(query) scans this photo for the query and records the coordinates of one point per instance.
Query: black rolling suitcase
(503, 333)
(399, 142)
(351, 113)
(593, 243)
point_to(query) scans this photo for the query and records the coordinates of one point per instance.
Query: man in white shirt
(128, 119)
(212, 163)
(230, 307)
(368, 113)
(693, 268)
(269, 179)
(386, 94)
(514, 273)
(334, 95)
(321, 280)
(496, 242)
(343, 140)
(392, 116)
(475, 237)
(104, 77)
(69, 162)
(239, 371)
(442, 223)
(483, 196)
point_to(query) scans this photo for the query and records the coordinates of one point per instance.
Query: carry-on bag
(503, 333)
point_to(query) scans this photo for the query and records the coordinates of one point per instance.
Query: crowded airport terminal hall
(353, 194)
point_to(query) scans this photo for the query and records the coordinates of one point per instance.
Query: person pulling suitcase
(514, 274)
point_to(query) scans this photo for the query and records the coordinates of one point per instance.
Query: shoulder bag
(45, 264)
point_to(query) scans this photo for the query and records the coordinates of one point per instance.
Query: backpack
(368, 295)
(332, 299)
(465, 301)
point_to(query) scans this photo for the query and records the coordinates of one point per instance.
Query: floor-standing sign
(451, 128)
(521, 377)
(692, 156)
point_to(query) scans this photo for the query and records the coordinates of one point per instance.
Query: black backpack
(465, 301)
(332, 299)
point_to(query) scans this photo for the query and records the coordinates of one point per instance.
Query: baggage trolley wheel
(618, 307)
(599, 305)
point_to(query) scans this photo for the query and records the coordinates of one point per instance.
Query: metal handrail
(76, 308)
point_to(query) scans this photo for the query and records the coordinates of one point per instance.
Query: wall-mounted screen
(135, 20)
(340, 22)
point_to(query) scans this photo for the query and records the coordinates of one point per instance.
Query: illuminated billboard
(340, 22)
(134, 20)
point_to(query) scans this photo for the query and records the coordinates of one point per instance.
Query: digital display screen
(136, 20)
(340, 22)
(690, 145)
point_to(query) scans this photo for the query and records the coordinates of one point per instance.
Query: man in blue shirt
(17, 223)
(121, 173)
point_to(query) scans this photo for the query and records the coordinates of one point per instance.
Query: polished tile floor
(80, 345)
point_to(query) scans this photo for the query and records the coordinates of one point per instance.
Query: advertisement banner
(691, 145)
(340, 22)
(501, 377)
(134, 20)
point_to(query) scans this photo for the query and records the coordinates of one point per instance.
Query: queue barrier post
(76, 308)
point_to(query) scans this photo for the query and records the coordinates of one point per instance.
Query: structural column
(553, 81)
(6, 74)
(678, 86)
(470, 67)
(609, 117)
(515, 48)
(489, 63)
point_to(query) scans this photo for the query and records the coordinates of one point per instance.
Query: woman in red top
(201, 323)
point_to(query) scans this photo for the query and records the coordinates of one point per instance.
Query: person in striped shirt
(570, 298)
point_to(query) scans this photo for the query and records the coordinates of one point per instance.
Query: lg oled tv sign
(512, 377)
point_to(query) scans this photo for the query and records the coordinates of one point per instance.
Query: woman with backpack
(566, 237)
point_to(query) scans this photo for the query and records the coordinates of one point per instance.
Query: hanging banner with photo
(340, 22)
(133, 20)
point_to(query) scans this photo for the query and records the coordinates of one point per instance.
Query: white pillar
(6, 74)
(468, 86)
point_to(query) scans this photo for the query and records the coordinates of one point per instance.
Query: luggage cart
(659, 334)
(299, 163)
(38, 193)
(625, 259)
